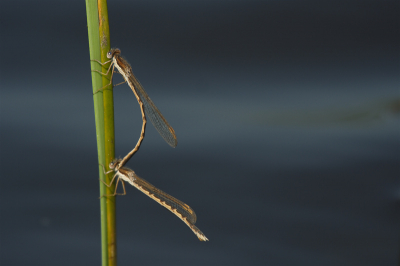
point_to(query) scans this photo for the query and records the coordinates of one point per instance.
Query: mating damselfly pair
(148, 110)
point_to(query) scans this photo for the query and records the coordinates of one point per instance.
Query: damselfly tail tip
(202, 238)
(198, 233)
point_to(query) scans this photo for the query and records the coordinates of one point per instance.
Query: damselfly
(147, 106)
(177, 207)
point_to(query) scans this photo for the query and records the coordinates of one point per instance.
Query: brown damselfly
(147, 106)
(177, 207)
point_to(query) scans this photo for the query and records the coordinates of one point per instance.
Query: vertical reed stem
(99, 45)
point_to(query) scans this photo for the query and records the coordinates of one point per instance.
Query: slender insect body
(191, 225)
(126, 74)
(151, 111)
(177, 207)
(147, 107)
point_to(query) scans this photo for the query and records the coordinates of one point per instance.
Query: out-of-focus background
(288, 122)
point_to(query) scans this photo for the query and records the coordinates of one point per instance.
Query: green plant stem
(99, 46)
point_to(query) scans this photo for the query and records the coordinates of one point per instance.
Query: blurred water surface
(288, 136)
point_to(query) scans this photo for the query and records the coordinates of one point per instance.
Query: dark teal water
(287, 117)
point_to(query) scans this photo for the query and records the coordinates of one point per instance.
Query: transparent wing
(155, 116)
(177, 207)
(166, 200)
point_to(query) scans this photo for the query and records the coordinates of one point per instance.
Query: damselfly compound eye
(109, 55)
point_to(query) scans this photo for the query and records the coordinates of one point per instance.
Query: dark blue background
(287, 117)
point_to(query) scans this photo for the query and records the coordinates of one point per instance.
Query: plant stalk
(99, 45)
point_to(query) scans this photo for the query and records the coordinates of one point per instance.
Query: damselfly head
(114, 163)
(113, 52)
